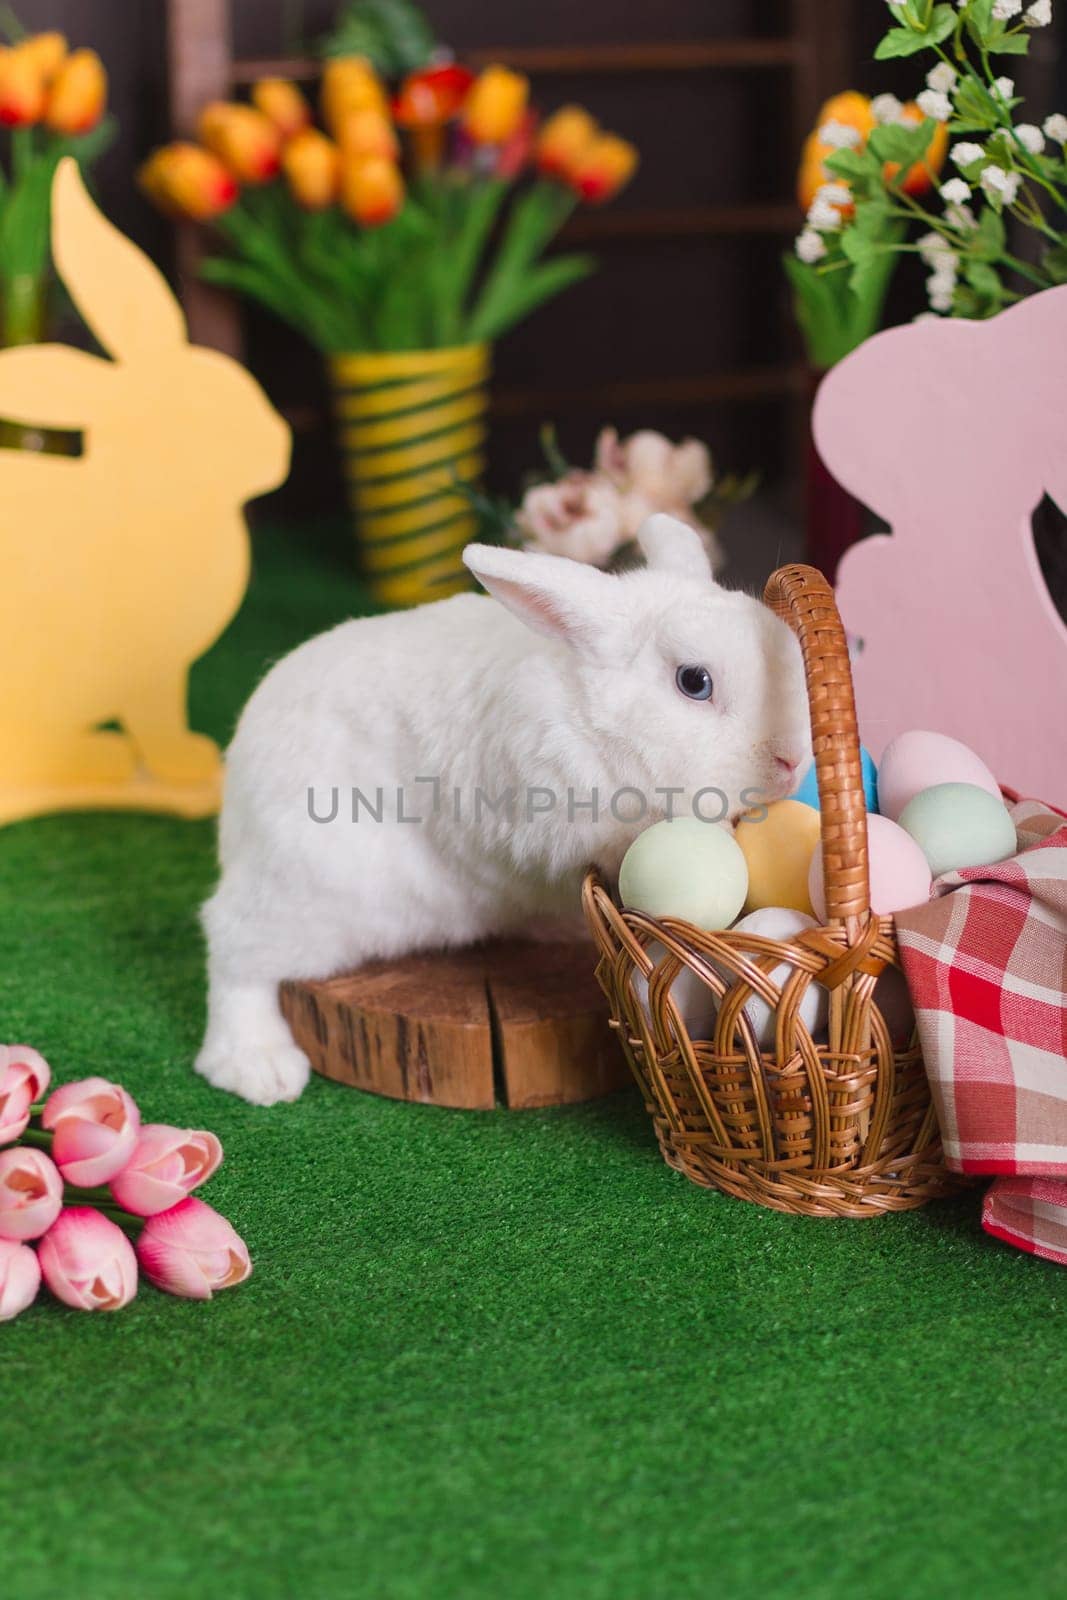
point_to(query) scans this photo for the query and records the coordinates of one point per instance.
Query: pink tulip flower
(31, 1193)
(95, 1125)
(24, 1077)
(88, 1262)
(167, 1163)
(20, 1278)
(190, 1250)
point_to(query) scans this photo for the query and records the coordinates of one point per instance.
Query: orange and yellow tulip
(78, 94)
(563, 140)
(429, 98)
(188, 181)
(282, 103)
(46, 50)
(850, 108)
(312, 166)
(372, 190)
(368, 133)
(22, 89)
(244, 139)
(922, 175)
(603, 167)
(350, 83)
(496, 105)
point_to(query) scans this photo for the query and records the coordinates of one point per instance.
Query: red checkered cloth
(986, 964)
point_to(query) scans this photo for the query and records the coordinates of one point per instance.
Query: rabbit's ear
(670, 545)
(122, 296)
(53, 386)
(564, 599)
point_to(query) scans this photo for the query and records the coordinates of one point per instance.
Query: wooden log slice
(508, 1023)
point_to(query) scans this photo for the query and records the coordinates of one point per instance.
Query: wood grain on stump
(515, 1024)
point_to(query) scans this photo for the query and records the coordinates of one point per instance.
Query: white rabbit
(567, 683)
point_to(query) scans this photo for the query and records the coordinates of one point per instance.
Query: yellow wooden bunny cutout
(118, 568)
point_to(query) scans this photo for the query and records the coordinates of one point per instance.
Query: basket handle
(802, 597)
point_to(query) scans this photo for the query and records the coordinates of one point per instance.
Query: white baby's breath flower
(1039, 15)
(823, 216)
(955, 191)
(886, 108)
(933, 249)
(834, 194)
(926, 316)
(839, 136)
(1005, 87)
(1004, 10)
(933, 103)
(810, 246)
(965, 153)
(1030, 138)
(960, 217)
(939, 290)
(942, 78)
(1000, 184)
(1056, 127)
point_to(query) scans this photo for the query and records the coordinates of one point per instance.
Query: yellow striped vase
(411, 423)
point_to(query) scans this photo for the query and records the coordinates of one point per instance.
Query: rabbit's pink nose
(787, 764)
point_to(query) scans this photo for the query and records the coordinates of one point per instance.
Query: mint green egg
(959, 825)
(685, 868)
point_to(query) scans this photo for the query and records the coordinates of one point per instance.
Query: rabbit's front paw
(185, 758)
(263, 1075)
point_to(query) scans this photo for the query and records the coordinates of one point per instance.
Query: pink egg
(919, 760)
(900, 876)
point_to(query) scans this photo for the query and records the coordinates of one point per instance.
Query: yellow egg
(778, 842)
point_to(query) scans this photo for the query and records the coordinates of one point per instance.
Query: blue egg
(808, 793)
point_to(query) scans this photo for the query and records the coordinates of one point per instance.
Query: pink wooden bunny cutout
(121, 566)
(952, 431)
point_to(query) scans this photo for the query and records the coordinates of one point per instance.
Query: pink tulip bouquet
(101, 1194)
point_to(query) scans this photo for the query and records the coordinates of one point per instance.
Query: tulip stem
(37, 1137)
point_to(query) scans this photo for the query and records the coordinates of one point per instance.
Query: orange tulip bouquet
(401, 240)
(869, 172)
(53, 102)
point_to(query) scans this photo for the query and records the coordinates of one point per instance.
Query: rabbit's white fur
(581, 698)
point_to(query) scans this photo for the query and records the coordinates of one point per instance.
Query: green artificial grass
(486, 1355)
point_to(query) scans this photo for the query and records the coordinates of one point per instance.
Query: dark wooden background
(687, 326)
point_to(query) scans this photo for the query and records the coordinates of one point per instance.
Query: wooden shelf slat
(683, 55)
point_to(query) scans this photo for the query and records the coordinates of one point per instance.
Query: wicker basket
(838, 1128)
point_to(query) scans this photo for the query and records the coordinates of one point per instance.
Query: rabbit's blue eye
(694, 682)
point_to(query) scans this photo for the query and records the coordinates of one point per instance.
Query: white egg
(696, 1003)
(782, 923)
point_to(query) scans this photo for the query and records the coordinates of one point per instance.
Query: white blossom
(939, 290)
(839, 136)
(886, 108)
(834, 194)
(1005, 87)
(933, 250)
(960, 217)
(964, 153)
(1000, 184)
(955, 191)
(1030, 138)
(942, 78)
(1039, 15)
(1004, 10)
(810, 246)
(823, 216)
(1056, 127)
(926, 316)
(932, 103)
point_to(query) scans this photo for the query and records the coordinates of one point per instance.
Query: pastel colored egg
(898, 870)
(921, 760)
(782, 923)
(696, 1003)
(959, 825)
(688, 869)
(808, 791)
(778, 842)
